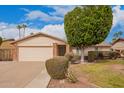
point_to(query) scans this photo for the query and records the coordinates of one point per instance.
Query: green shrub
(76, 59)
(85, 57)
(71, 77)
(100, 55)
(92, 55)
(114, 55)
(69, 56)
(57, 67)
(118, 55)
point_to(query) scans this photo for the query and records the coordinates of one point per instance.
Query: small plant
(69, 56)
(57, 67)
(71, 78)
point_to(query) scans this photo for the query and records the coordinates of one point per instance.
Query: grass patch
(100, 73)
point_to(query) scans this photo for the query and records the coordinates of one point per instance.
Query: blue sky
(47, 19)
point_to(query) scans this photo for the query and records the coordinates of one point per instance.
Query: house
(39, 47)
(118, 45)
(104, 46)
(100, 47)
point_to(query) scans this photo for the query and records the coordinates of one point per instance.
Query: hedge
(57, 67)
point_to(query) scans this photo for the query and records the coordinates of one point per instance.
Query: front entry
(61, 50)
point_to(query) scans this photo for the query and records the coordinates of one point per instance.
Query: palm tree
(24, 26)
(19, 28)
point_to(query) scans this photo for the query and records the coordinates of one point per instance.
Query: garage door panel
(35, 53)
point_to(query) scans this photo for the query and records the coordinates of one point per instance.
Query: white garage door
(35, 53)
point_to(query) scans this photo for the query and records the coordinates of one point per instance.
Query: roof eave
(36, 35)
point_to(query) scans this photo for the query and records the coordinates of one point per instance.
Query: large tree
(87, 25)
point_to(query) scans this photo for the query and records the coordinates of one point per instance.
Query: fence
(6, 54)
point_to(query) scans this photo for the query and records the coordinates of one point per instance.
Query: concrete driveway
(23, 74)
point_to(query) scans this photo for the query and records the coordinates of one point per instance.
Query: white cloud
(37, 14)
(118, 15)
(6, 30)
(57, 15)
(3, 25)
(25, 9)
(14, 33)
(61, 10)
(10, 31)
(55, 30)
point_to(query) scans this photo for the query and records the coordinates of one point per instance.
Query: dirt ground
(65, 84)
(117, 67)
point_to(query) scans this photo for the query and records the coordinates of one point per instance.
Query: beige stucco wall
(35, 53)
(92, 49)
(85, 50)
(38, 48)
(39, 41)
(118, 45)
(104, 49)
(88, 49)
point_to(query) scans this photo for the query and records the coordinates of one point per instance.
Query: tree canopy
(88, 25)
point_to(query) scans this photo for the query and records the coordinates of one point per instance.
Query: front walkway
(23, 74)
(40, 81)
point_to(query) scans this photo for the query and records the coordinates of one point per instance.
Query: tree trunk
(82, 54)
(24, 33)
(19, 34)
(96, 50)
(77, 50)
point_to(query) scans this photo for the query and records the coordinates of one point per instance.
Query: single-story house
(6, 44)
(100, 47)
(118, 45)
(6, 50)
(39, 47)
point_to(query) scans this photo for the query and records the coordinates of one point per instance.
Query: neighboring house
(100, 47)
(118, 45)
(39, 47)
(6, 44)
(6, 50)
(104, 46)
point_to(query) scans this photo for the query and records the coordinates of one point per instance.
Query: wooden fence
(6, 54)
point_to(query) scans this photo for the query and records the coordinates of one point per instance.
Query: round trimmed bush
(57, 67)
(92, 56)
(69, 56)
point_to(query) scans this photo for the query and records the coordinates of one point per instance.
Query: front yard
(107, 73)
